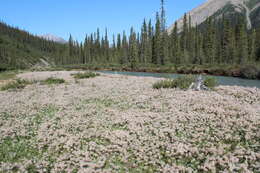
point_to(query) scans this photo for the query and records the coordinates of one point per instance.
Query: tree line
(218, 41)
(213, 42)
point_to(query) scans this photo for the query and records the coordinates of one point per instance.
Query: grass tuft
(52, 81)
(85, 75)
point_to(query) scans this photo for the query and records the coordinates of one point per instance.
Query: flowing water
(222, 80)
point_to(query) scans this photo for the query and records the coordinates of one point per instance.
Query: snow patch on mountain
(54, 38)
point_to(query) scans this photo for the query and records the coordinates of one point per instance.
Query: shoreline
(251, 72)
(227, 71)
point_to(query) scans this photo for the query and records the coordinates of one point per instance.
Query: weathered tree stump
(198, 85)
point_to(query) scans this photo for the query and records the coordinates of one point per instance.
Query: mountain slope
(51, 37)
(20, 49)
(216, 8)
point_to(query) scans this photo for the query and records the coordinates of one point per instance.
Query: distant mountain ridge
(51, 37)
(216, 8)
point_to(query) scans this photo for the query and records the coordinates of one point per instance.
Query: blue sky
(79, 17)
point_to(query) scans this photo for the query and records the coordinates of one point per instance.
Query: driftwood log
(198, 85)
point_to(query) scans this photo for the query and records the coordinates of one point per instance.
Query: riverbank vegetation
(184, 82)
(243, 71)
(6, 75)
(16, 84)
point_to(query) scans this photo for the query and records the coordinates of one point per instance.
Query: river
(222, 80)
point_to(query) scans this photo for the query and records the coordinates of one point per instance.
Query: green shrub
(249, 72)
(53, 80)
(182, 82)
(85, 75)
(168, 83)
(210, 82)
(17, 84)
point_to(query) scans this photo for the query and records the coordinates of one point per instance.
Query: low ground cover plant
(128, 127)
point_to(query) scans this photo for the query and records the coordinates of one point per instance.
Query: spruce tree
(163, 17)
(184, 41)
(156, 57)
(252, 46)
(120, 58)
(191, 42)
(125, 48)
(210, 45)
(71, 46)
(86, 50)
(150, 42)
(242, 43)
(106, 46)
(176, 50)
(91, 49)
(133, 50)
(144, 43)
(163, 36)
(184, 34)
(258, 44)
(228, 46)
(113, 49)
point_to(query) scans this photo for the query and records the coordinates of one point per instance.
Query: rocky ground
(115, 123)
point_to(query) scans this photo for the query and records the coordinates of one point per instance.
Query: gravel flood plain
(115, 123)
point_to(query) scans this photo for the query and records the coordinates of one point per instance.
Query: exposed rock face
(214, 7)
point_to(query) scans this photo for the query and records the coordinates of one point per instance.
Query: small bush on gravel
(182, 82)
(210, 82)
(85, 75)
(168, 83)
(52, 80)
(17, 84)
